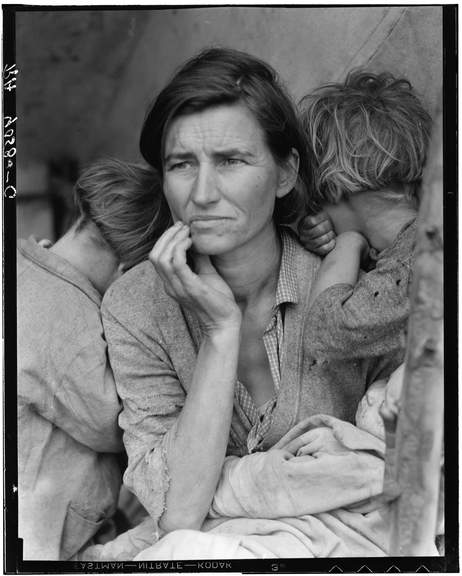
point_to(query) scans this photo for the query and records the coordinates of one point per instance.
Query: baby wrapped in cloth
(316, 493)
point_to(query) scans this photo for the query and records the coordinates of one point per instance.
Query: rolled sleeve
(152, 399)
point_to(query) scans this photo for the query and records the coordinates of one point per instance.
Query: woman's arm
(176, 443)
(196, 445)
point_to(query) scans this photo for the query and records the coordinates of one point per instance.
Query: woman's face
(221, 179)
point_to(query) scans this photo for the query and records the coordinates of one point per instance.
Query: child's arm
(342, 264)
(366, 318)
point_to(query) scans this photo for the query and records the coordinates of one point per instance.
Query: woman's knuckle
(176, 264)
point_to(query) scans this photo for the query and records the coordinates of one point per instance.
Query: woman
(208, 345)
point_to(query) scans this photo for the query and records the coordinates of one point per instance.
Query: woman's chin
(210, 245)
(207, 249)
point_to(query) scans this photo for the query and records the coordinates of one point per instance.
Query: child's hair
(368, 133)
(122, 200)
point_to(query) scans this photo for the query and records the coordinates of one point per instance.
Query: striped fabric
(258, 419)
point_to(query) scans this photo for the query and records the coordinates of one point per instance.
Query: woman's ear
(288, 174)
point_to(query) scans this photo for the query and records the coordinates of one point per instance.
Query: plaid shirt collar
(287, 282)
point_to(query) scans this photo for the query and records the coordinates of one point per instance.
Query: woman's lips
(203, 221)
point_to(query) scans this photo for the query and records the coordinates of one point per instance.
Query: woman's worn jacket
(153, 345)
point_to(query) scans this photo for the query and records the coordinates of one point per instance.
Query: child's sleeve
(365, 320)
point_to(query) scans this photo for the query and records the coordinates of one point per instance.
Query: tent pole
(414, 456)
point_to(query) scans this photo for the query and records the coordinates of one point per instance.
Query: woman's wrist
(225, 333)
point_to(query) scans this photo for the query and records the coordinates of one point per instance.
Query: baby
(369, 137)
(381, 401)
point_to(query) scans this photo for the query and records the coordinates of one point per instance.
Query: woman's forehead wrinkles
(212, 143)
(216, 133)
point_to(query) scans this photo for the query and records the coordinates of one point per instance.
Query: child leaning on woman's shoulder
(369, 138)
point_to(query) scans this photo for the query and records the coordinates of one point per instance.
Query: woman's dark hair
(122, 200)
(225, 76)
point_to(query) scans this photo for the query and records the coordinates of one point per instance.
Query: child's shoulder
(403, 248)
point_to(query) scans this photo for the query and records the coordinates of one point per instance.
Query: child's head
(120, 202)
(369, 133)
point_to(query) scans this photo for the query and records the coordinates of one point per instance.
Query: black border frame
(13, 562)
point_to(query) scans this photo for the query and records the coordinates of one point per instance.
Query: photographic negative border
(13, 562)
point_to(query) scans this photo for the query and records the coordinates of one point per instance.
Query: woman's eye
(232, 161)
(179, 165)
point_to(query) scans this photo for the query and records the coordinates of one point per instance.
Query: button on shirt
(258, 419)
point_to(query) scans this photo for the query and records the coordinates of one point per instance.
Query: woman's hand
(317, 441)
(317, 233)
(204, 292)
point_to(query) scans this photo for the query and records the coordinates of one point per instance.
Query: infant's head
(383, 392)
(368, 413)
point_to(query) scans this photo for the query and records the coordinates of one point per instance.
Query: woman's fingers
(171, 263)
(163, 242)
(182, 274)
(178, 273)
(300, 441)
(203, 290)
(162, 253)
(169, 254)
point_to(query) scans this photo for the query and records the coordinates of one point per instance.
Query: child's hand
(317, 234)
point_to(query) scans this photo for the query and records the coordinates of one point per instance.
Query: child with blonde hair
(368, 138)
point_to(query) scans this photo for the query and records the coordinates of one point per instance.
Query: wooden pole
(414, 464)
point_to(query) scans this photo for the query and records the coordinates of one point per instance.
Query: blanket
(316, 493)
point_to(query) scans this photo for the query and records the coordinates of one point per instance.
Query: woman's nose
(205, 190)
